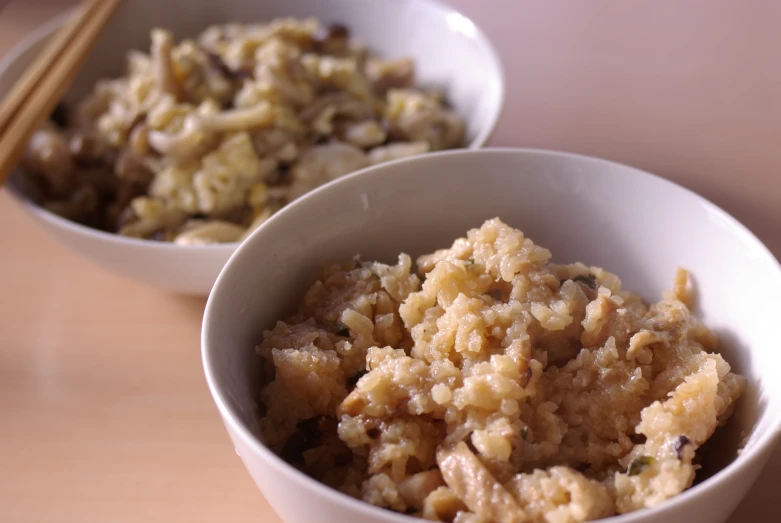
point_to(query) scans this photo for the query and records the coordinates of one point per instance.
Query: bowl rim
(745, 460)
(46, 29)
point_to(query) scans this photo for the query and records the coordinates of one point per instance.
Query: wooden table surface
(105, 415)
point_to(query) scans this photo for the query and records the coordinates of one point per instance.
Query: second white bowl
(632, 223)
(448, 49)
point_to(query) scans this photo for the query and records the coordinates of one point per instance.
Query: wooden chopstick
(40, 89)
(42, 64)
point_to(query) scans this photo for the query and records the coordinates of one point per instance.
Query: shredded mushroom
(183, 145)
(312, 101)
(472, 482)
(162, 46)
(233, 120)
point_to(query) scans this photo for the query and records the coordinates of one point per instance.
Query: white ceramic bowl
(448, 49)
(635, 224)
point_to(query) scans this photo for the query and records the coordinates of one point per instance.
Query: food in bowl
(202, 141)
(493, 386)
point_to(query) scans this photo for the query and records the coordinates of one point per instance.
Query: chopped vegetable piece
(343, 330)
(637, 466)
(680, 443)
(589, 281)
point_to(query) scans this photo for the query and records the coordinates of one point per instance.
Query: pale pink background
(688, 89)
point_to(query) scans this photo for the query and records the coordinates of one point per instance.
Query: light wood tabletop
(105, 412)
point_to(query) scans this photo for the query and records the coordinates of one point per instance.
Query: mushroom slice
(476, 487)
(48, 155)
(183, 145)
(162, 63)
(260, 115)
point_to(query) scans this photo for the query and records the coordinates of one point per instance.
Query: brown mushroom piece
(118, 213)
(139, 140)
(476, 487)
(130, 167)
(333, 40)
(451, 130)
(89, 150)
(162, 47)
(59, 116)
(210, 78)
(79, 207)
(48, 155)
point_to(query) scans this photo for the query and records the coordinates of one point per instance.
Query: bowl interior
(631, 223)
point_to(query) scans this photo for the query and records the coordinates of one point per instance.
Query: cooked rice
(203, 140)
(497, 386)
